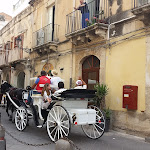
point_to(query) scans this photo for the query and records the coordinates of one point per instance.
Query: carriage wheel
(96, 130)
(21, 118)
(58, 123)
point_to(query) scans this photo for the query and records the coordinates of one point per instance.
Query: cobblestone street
(110, 141)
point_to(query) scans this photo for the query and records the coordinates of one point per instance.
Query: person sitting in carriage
(80, 84)
(60, 89)
(46, 93)
(39, 84)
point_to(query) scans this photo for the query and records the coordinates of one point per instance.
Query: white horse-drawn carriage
(70, 108)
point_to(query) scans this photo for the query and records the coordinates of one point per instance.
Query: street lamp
(27, 50)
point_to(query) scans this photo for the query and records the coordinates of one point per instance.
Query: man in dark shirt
(84, 11)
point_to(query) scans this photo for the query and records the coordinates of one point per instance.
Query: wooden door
(90, 71)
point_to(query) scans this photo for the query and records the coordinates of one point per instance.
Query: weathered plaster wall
(125, 65)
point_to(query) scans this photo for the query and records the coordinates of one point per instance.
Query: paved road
(109, 141)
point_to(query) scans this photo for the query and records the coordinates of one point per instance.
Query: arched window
(90, 71)
(91, 62)
(20, 80)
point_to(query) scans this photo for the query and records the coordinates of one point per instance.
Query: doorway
(51, 23)
(7, 78)
(90, 71)
(0, 80)
(20, 80)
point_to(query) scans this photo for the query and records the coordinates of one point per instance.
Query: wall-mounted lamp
(35, 73)
(61, 70)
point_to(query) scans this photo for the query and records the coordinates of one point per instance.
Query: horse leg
(11, 110)
(7, 107)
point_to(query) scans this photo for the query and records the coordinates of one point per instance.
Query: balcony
(45, 40)
(141, 8)
(14, 55)
(2, 59)
(88, 22)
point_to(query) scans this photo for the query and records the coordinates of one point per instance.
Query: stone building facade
(112, 48)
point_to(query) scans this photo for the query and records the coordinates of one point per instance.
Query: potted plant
(99, 100)
(107, 119)
(101, 92)
(88, 22)
(94, 20)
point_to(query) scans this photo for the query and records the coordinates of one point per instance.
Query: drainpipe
(109, 26)
(10, 75)
(71, 66)
(74, 4)
(71, 69)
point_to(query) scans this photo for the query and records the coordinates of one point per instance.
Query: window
(91, 62)
(8, 46)
(18, 41)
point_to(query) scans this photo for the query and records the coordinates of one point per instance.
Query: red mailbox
(130, 95)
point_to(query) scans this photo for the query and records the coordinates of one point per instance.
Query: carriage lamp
(74, 118)
(61, 70)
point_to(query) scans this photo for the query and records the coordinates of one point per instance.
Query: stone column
(27, 75)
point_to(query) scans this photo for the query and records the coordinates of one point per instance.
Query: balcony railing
(46, 35)
(96, 11)
(2, 58)
(140, 3)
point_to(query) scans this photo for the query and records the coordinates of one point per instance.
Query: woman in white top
(46, 93)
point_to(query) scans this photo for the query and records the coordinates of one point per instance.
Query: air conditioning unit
(40, 37)
(143, 2)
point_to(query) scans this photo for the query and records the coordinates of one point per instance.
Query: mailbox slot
(130, 96)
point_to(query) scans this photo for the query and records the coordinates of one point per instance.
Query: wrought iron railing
(82, 17)
(45, 35)
(139, 3)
